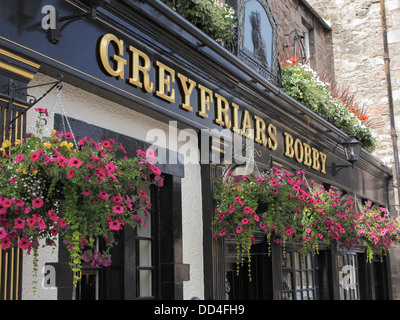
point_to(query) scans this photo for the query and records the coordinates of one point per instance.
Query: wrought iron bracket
(336, 169)
(54, 35)
(33, 100)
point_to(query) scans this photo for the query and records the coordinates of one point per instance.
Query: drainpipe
(386, 58)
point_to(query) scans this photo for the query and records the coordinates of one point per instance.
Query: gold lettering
(289, 151)
(260, 131)
(222, 111)
(206, 98)
(165, 82)
(235, 117)
(307, 155)
(144, 69)
(272, 141)
(316, 164)
(298, 150)
(247, 128)
(186, 91)
(121, 62)
(323, 162)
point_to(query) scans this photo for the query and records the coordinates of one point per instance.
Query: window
(135, 246)
(298, 276)
(349, 288)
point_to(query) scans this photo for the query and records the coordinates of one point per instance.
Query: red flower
(42, 110)
(6, 203)
(150, 155)
(52, 215)
(75, 162)
(34, 156)
(87, 192)
(103, 195)
(37, 203)
(82, 141)
(62, 161)
(19, 223)
(19, 158)
(24, 243)
(5, 244)
(143, 194)
(32, 222)
(118, 209)
(71, 173)
(68, 135)
(3, 233)
(106, 144)
(117, 199)
(62, 223)
(114, 225)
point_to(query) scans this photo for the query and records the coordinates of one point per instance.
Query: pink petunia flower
(5, 244)
(68, 135)
(62, 161)
(37, 203)
(3, 233)
(75, 162)
(31, 222)
(118, 209)
(82, 141)
(34, 156)
(6, 203)
(87, 192)
(114, 225)
(19, 158)
(71, 173)
(117, 199)
(62, 223)
(103, 195)
(24, 243)
(52, 215)
(42, 110)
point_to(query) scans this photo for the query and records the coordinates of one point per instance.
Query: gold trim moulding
(23, 73)
(18, 58)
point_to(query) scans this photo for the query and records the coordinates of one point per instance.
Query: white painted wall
(95, 110)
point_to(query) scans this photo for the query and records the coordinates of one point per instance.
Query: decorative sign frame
(257, 43)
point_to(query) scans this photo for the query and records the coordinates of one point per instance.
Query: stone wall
(296, 15)
(358, 50)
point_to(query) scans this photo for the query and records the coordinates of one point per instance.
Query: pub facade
(139, 73)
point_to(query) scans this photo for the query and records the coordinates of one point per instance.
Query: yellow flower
(53, 132)
(47, 145)
(24, 171)
(70, 145)
(64, 144)
(34, 172)
(5, 144)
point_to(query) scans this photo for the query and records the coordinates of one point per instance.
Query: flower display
(292, 210)
(303, 84)
(48, 188)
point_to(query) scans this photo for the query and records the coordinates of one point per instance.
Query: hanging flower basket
(49, 187)
(296, 212)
